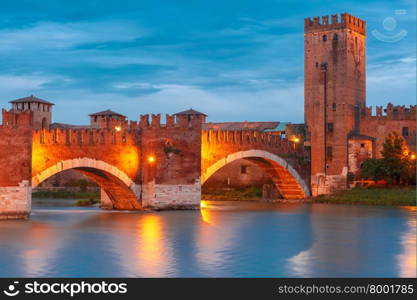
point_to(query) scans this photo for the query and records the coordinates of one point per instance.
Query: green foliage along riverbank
(372, 196)
(243, 194)
(66, 194)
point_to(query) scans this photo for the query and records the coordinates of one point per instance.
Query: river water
(224, 239)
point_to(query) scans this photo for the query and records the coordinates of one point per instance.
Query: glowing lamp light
(118, 128)
(295, 139)
(151, 159)
(413, 156)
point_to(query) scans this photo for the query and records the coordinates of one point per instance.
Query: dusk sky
(233, 60)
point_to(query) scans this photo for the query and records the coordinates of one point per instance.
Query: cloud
(233, 61)
(58, 36)
(9, 84)
(386, 79)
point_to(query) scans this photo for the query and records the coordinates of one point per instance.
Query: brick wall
(15, 162)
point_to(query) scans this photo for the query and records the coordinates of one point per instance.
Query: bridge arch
(286, 178)
(118, 186)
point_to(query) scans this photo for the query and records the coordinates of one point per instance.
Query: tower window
(362, 145)
(324, 38)
(329, 127)
(405, 131)
(243, 169)
(329, 153)
(334, 106)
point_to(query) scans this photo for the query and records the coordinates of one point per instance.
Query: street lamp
(151, 159)
(295, 140)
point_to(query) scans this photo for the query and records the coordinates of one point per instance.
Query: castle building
(341, 129)
(41, 110)
(107, 119)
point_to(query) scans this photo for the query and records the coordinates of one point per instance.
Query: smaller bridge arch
(118, 186)
(286, 178)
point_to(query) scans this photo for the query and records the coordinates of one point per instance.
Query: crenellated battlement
(346, 21)
(11, 118)
(84, 136)
(397, 112)
(179, 121)
(251, 137)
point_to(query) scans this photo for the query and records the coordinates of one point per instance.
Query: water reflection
(215, 237)
(153, 254)
(407, 257)
(357, 240)
(223, 239)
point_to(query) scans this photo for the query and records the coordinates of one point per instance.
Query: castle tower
(42, 110)
(107, 119)
(334, 94)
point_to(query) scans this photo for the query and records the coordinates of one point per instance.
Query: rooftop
(67, 126)
(107, 112)
(190, 112)
(258, 126)
(31, 99)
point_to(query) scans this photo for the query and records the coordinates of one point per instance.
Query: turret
(191, 118)
(108, 119)
(41, 110)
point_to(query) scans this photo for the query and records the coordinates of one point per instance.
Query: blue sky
(234, 60)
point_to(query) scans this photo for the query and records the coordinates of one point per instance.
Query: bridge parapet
(252, 139)
(85, 136)
(172, 121)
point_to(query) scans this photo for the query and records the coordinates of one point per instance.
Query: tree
(397, 165)
(373, 169)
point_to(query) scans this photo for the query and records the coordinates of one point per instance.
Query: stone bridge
(138, 165)
(279, 157)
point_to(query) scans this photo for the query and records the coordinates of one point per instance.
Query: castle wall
(172, 180)
(119, 149)
(15, 162)
(395, 118)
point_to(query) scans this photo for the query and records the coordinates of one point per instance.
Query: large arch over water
(120, 189)
(285, 177)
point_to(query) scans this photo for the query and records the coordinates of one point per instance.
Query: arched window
(405, 131)
(44, 123)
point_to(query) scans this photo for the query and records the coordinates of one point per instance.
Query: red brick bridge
(138, 165)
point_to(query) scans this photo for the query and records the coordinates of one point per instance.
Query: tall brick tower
(334, 94)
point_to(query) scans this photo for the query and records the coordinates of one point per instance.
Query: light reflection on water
(224, 239)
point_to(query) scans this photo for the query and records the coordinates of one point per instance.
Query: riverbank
(389, 196)
(64, 194)
(86, 198)
(243, 194)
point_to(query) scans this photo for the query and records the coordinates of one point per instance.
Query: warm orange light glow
(118, 128)
(413, 156)
(129, 158)
(207, 215)
(151, 159)
(295, 139)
